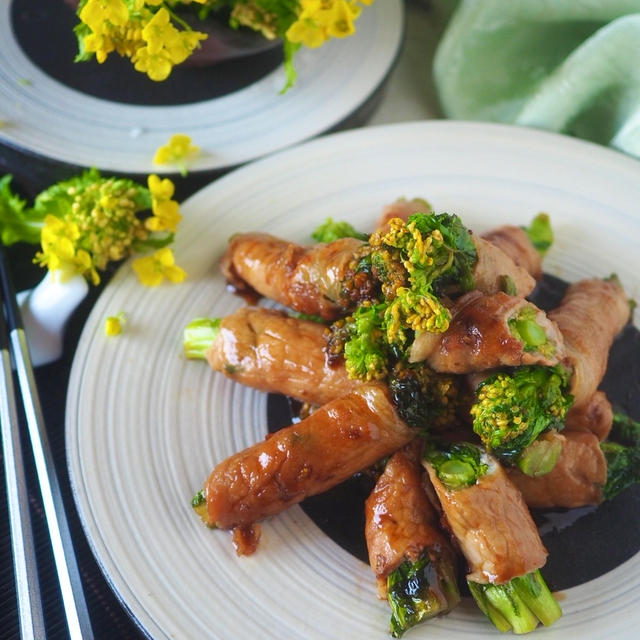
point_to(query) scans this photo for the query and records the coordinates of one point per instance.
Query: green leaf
(623, 468)
(420, 590)
(540, 233)
(331, 230)
(18, 223)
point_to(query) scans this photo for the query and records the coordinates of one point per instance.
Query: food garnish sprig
(408, 268)
(156, 38)
(513, 409)
(89, 221)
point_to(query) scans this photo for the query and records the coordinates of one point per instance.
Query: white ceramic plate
(145, 426)
(42, 116)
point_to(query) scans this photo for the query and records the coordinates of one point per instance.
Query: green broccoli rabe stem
(540, 233)
(513, 410)
(508, 286)
(530, 332)
(457, 465)
(525, 327)
(420, 590)
(519, 604)
(541, 456)
(198, 336)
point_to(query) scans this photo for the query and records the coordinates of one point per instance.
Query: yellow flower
(166, 216)
(159, 31)
(160, 188)
(166, 212)
(340, 23)
(96, 13)
(58, 239)
(182, 46)
(100, 44)
(153, 269)
(307, 32)
(113, 324)
(320, 20)
(157, 66)
(177, 151)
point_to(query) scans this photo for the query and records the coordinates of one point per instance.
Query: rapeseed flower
(166, 212)
(320, 20)
(113, 324)
(85, 223)
(60, 252)
(97, 14)
(166, 218)
(156, 38)
(178, 151)
(142, 30)
(153, 269)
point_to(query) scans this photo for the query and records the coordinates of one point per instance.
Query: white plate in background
(42, 116)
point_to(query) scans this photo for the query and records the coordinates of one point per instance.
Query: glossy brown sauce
(583, 544)
(245, 539)
(250, 296)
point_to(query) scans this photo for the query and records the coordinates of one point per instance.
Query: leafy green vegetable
(423, 398)
(519, 604)
(457, 465)
(18, 223)
(366, 354)
(623, 467)
(512, 410)
(625, 429)
(331, 230)
(198, 499)
(199, 505)
(622, 452)
(399, 275)
(105, 205)
(420, 590)
(311, 317)
(80, 192)
(456, 257)
(540, 233)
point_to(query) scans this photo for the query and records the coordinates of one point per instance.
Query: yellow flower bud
(113, 324)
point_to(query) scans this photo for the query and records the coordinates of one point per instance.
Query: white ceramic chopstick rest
(45, 312)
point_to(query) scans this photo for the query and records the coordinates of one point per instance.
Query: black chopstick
(30, 614)
(75, 606)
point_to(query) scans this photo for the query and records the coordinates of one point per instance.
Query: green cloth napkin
(571, 66)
